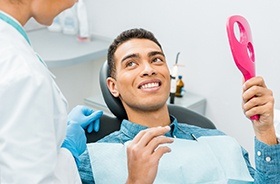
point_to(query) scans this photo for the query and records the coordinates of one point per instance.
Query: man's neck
(159, 117)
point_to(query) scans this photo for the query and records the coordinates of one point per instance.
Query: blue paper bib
(210, 159)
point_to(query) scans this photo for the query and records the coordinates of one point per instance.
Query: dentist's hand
(86, 117)
(75, 140)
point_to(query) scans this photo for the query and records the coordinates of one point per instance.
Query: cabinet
(60, 50)
(75, 64)
(189, 100)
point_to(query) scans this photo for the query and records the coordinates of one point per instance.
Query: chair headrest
(114, 104)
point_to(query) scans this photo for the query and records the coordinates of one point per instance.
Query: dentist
(36, 143)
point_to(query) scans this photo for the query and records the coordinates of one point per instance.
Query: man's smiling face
(142, 79)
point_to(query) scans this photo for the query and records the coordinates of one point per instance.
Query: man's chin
(154, 106)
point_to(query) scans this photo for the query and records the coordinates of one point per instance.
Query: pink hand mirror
(242, 48)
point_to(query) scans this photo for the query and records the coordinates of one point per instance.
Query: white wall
(197, 29)
(78, 81)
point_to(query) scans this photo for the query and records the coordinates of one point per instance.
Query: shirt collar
(131, 129)
(174, 127)
(13, 22)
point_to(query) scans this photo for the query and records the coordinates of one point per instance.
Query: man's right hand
(144, 153)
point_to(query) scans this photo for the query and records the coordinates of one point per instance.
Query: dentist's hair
(124, 37)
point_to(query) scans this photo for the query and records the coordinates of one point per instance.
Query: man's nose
(148, 70)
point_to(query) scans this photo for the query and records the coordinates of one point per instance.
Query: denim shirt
(267, 157)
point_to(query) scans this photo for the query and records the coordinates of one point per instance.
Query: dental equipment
(173, 77)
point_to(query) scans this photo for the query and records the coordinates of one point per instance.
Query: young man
(140, 78)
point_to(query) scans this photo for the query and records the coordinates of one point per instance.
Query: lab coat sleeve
(65, 172)
(29, 139)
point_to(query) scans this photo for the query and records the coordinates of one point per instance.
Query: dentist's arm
(80, 118)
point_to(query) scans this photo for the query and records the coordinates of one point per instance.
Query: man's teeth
(150, 85)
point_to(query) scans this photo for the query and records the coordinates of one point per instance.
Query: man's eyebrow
(130, 56)
(155, 53)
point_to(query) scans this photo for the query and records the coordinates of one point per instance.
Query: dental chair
(109, 124)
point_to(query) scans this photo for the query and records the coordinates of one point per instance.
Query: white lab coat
(33, 115)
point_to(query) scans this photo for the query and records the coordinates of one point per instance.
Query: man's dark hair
(123, 37)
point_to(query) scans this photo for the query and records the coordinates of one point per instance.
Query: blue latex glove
(75, 140)
(86, 117)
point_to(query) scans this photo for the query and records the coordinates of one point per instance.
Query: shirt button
(259, 153)
(268, 159)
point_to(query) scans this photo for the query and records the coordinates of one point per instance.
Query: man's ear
(111, 84)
